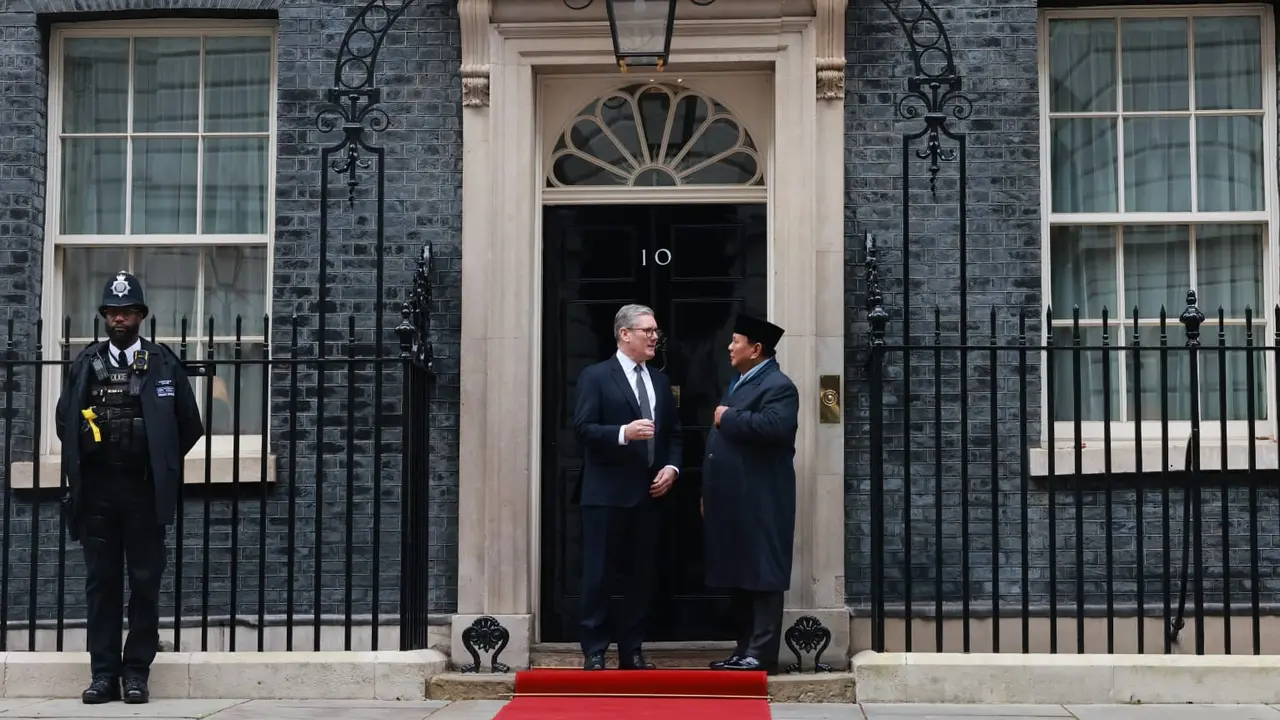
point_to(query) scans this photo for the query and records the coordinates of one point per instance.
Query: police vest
(115, 398)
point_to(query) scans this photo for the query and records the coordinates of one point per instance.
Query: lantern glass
(641, 31)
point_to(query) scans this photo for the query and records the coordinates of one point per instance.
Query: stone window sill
(1124, 456)
(221, 470)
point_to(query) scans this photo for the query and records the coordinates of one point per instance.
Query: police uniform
(126, 419)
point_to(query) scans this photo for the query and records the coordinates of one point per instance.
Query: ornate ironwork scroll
(488, 635)
(935, 91)
(808, 635)
(354, 99)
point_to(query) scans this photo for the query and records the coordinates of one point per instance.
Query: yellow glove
(89, 415)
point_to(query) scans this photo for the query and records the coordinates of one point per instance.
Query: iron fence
(1076, 486)
(304, 511)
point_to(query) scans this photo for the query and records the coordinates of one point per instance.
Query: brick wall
(996, 53)
(417, 70)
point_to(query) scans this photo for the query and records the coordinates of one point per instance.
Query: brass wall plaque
(829, 399)
(675, 390)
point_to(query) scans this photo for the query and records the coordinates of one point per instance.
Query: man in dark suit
(749, 494)
(627, 422)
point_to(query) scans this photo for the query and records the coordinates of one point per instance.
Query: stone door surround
(507, 46)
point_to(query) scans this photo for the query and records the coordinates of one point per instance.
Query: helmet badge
(120, 287)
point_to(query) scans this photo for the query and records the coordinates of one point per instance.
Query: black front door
(696, 266)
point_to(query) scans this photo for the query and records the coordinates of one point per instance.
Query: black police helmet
(123, 291)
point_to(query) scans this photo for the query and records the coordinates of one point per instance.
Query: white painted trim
(649, 196)
(1064, 431)
(51, 296)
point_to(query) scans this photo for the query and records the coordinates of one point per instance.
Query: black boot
(136, 691)
(102, 689)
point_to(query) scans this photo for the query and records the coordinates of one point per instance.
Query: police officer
(126, 419)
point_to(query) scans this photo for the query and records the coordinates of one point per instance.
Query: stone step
(672, 655)
(799, 688)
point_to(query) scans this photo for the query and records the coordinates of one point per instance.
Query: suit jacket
(749, 485)
(616, 475)
(172, 418)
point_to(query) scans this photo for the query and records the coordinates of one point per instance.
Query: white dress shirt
(629, 371)
(128, 353)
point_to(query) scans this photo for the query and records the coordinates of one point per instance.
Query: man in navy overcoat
(749, 494)
(626, 419)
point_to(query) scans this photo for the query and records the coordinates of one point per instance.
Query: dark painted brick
(926, 481)
(423, 205)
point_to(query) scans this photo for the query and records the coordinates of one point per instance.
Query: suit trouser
(618, 546)
(120, 526)
(758, 620)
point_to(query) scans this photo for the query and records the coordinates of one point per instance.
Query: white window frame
(1124, 432)
(251, 447)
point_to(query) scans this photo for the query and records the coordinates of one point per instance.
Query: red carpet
(638, 695)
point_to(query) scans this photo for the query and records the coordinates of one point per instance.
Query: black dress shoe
(633, 661)
(136, 691)
(102, 689)
(720, 664)
(594, 661)
(746, 662)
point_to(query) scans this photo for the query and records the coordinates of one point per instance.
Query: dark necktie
(645, 412)
(120, 359)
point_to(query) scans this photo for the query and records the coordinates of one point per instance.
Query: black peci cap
(758, 331)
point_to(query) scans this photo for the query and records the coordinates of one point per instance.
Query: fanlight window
(655, 136)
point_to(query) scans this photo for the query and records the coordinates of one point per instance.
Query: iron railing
(1058, 486)
(321, 542)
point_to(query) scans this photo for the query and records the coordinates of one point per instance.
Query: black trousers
(121, 530)
(618, 546)
(757, 617)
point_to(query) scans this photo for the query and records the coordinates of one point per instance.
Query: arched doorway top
(655, 135)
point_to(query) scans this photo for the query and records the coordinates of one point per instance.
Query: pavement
(11, 709)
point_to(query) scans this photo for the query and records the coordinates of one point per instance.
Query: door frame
(499, 562)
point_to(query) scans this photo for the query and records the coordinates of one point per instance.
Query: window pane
(1229, 162)
(1228, 63)
(235, 283)
(95, 90)
(93, 185)
(1156, 64)
(1083, 260)
(1157, 269)
(166, 77)
(1157, 165)
(1229, 345)
(169, 278)
(230, 402)
(1229, 269)
(164, 185)
(85, 271)
(1090, 363)
(1084, 165)
(1082, 60)
(235, 185)
(1149, 379)
(237, 78)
